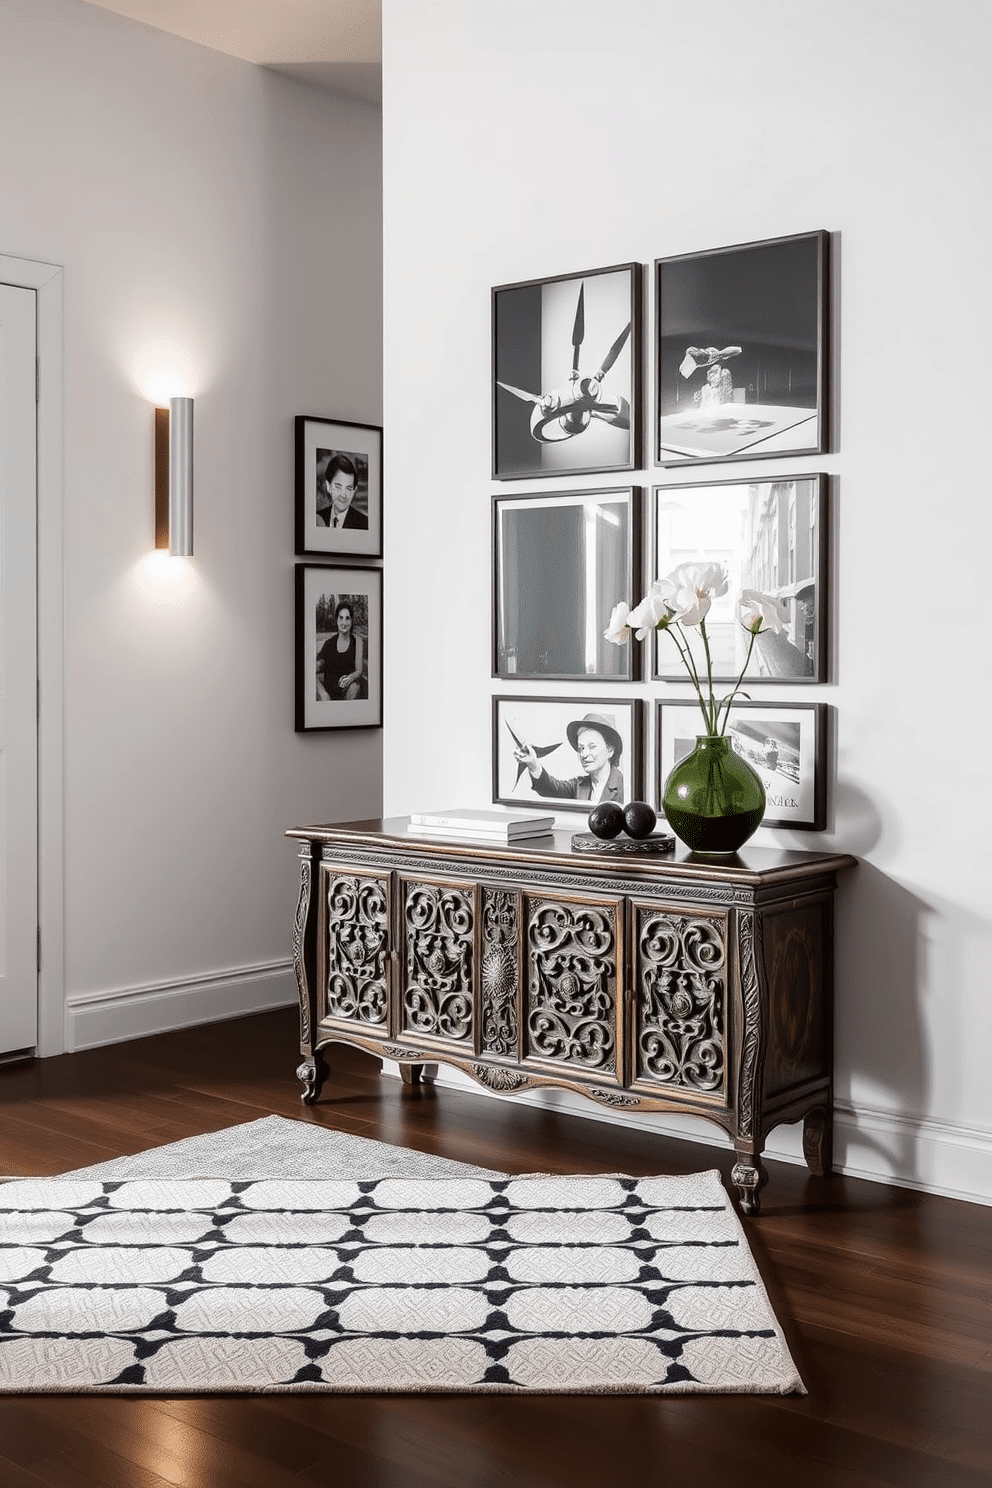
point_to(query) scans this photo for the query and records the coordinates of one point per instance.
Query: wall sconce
(174, 477)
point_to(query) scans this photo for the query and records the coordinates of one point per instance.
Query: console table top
(751, 865)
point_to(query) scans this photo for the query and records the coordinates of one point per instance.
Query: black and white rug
(537, 1284)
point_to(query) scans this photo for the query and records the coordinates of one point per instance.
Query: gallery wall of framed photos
(338, 602)
(738, 346)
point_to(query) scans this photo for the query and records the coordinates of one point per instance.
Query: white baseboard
(907, 1151)
(918, 1152)
(100, 1018)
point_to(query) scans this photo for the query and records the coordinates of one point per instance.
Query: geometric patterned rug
(524, 1285)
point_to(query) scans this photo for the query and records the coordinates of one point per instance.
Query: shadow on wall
(881, 1061)
(897, 954)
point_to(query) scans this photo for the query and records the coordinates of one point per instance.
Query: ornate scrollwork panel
(572, 955)
(357, 946)
(681, 1000)
(499, 973)
(440, 927)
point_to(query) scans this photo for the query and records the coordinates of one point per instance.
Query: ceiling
(331, 43)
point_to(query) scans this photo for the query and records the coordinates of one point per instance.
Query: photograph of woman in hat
(599, 748)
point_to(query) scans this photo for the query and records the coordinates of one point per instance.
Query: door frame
(47, 281)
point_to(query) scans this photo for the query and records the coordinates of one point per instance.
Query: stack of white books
(475, 825)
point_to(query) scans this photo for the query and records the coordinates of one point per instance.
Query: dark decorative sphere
(639, 819)
(606, 819)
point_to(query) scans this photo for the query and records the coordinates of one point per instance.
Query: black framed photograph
(561, 562)
(785, 742)
(566, 753)
(338, 488)
(742, 351)
(338, 647)
(566, 374)
(770, 536)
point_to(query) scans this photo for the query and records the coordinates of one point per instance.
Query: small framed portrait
(338, 647)
(566, 754)
(770, 536)
(589, 541)
(742, 342)
(566, 374)
(338, 487)
(785, 743)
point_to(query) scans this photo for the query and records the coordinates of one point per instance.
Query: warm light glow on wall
(161, 583)
(164, 367)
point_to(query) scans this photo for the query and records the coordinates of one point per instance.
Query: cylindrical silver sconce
(180, 477)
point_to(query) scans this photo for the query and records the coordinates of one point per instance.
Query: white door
(18, 673)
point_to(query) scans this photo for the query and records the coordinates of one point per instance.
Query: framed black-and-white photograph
(338, 647)
(742, 339)
(338, 488)
(566, 374)
(769, 535)
(561, 562)
(567, 753)
(785, 742)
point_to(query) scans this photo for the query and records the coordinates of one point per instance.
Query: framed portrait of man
(338, 488)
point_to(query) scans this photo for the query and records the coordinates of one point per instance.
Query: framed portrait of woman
(338, 647)
(338, 488)
(567, 754)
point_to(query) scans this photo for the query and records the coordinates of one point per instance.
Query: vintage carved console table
(646, 984)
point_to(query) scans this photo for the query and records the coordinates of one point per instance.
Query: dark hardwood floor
(884, 1293)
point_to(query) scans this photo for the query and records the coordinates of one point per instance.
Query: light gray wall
(522, 140)
(220, 230)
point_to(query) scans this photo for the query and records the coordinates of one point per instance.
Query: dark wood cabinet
(700, 985)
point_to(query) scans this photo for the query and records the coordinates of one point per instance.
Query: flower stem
(689, 663)
(725, 705)
(712, 717)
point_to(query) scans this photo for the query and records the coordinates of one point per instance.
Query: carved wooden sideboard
(677, 984)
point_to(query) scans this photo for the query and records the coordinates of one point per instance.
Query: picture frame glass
(783, 742)
(338, 647)
(769, 535)
(566, 374)
(741, 353)
(584, 751)
(338, 488)
(561, 563)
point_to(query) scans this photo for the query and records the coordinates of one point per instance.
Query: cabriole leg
(818, 1141)
(418, 1074)
(313, 1072)
(749, 1178)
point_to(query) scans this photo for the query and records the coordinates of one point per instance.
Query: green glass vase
(713, 799)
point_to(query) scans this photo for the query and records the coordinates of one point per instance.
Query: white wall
(219, 227)
(526, 139)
